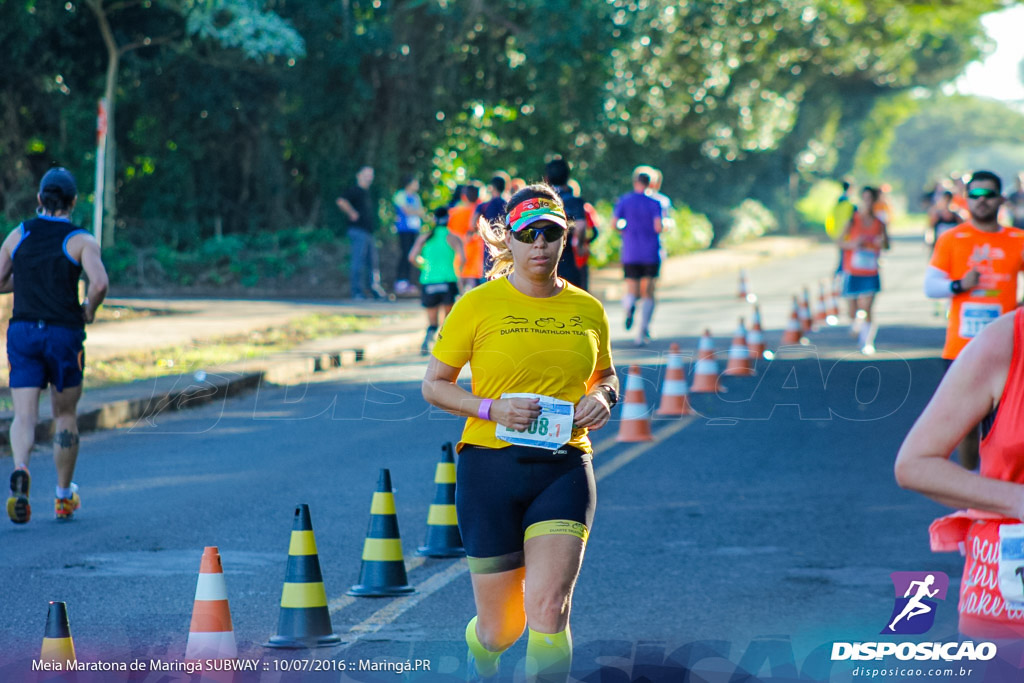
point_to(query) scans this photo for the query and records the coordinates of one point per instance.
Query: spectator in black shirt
(364, 265)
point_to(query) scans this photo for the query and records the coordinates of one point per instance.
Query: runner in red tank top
(987, 377)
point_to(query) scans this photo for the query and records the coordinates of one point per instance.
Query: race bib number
(863, 259)
(974, 317)
(551, 429)
(1011, 564)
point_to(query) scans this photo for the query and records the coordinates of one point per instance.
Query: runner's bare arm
(968, 392)
(6, 262)
(417, 247)
(456, 244)
(593, 410)
(844, 239)
(440, 389)
(86, 250)
(345, 206)
(657, 224)
(474, 222)
(970, 279)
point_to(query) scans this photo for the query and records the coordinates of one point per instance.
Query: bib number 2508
(551, 429)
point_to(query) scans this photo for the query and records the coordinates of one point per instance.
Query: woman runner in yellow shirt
(539, 351)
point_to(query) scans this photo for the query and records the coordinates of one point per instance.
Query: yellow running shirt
(520, 344)
(998, 256)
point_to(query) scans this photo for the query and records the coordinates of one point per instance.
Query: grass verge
(174, 360)
(185, 358)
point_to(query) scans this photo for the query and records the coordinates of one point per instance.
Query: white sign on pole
(101, 157)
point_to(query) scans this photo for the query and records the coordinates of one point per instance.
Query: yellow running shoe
(18, 508)
(65, 508)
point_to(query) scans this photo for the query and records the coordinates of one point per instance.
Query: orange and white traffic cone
(705, 371)
(806, 322)
(211, 635)
(820, 309)
(739, 354)
(792, 333)
(636, 418)
(833, 304)
(742, 292)
(755, 336)
(675, 399)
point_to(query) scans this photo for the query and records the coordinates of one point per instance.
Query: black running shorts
(637, 271)
(504, 496)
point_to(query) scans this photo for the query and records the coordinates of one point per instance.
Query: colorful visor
(533, 210)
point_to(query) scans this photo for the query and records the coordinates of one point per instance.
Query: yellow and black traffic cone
(305, 620)
(383, 571)
(443, 538)
(57, 644)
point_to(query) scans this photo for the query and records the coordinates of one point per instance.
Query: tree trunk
(110, 92)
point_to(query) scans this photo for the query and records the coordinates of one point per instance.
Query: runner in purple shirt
(638, 218)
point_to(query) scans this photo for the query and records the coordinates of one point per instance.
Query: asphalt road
(743, 541)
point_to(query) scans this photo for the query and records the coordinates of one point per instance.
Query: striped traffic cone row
(792, 334)
(210, 634)
(739, 354)
(382, 573)
(833, 304)
(305, 620)
(57, 644)
(755, 336)
(705, 370)
(443, 538)
(806, 322)
(821, 309)
(675, 399)
(742, 292)
(636, 420)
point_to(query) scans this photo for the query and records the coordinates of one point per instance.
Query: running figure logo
(914, 612)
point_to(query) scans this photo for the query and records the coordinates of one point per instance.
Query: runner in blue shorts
(42, 259)
(862, 242)
(525, 491)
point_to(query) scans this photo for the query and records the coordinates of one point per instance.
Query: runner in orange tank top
(862, 242)
(976, 265)
(989, 373)
(470, 268)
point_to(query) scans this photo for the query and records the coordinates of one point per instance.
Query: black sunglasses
(552, 233)
(982, 193)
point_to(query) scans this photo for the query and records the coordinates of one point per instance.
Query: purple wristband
(484, 411)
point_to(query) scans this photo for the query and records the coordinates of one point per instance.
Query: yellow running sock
(486, 661)
(548, 656)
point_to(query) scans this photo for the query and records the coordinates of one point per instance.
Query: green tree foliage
(947, 132)
(234, 24)
(251, 115)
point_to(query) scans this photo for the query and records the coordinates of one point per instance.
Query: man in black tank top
(41, 262)
(556, 174)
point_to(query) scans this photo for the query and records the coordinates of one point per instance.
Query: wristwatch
(956, 287)
(610, 394)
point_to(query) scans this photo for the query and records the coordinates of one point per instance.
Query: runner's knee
(547, 607)
(498, 632)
